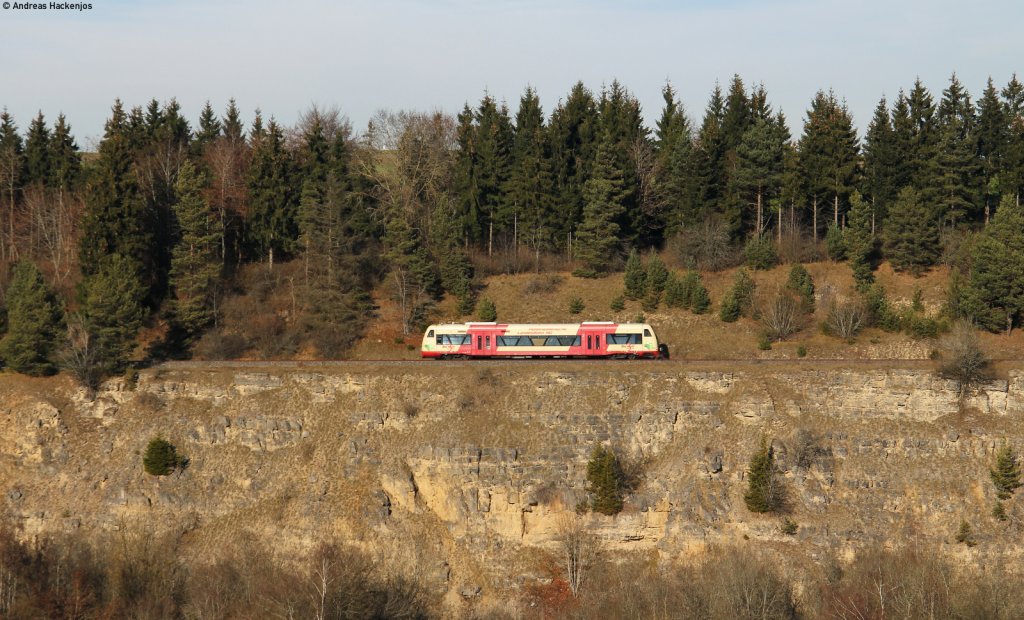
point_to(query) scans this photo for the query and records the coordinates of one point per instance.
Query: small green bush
(835, 243)
(1006, 472)
(760, 253)
(575, 305)
(486, 311)
(788, 527)
(801, 351)
(999, 512)
(651, 300)
(764, 492)
(964, 535)
(618, 303)
(635, 278)
(605, 481)
(161, 458)
(764, 343)
(802, 284)
(700, 301)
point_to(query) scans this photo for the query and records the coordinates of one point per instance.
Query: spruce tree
(957, 175)
(635, 276)
(1011, 176)
(232, 126)
(38, 167)
(860, 242)
(209, 129)
(1006, 472)
(598, 238)
(33, 321)
(763, 490)
(657, 273)
(993, 139)
(605, 481)
(801, 284)
(493, 143)
(12, 164)
(271, 223)
(709, 162)
(573, 137)
(700, 300)
(676, 294)
(65, 159)
(531, 184)
(113, 310)
(117, 219)
(487, 311)
(195, 267)
(911, 234)
(994, 295)
(739, 300)
(880, 162)
(758, 173)
(625, 136)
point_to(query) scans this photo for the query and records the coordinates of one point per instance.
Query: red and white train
(510, 340)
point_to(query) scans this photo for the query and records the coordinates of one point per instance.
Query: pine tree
(763, 488)
(33, 320)
(1011, 176)
(113, 310)
(65, 159)
(676, 293)
(271, 224)
(160, 458)
(487, 311)
(740, 298)
(993, 140)
(232, 126)
(635, 276)
(673, 147)
(195, 267)
(709, 162)
(657, 274)
(209, 129)
(621, 122)
(880, 164)
(598, 238)
(1006, 472)
(801, 284)
(494, 137)
(923, 138)
(12, 164)
(957, 168)
(860, 242)
(605, 481)
(758, 173)
(117, 219)
(573, 136)
(38, 167)
(994, 296)
(911, 234)
(531, 184)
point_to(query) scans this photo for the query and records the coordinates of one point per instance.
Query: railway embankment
(466, 472)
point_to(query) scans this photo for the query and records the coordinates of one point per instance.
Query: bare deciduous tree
(579, 549)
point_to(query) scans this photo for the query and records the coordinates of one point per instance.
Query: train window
(430, 334)
(441, 339)
(597, 342)
(487, 339)
(479, 342)
(552, 341)
(647, 333)
(623, 338)
(590, 342)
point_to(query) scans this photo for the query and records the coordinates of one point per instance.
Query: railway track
(630, 364)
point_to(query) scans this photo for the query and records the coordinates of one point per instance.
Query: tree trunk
(759, 214)
(490, 237)
(814, 205)
(836, 210)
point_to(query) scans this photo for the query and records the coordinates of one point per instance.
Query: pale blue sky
(363, 55)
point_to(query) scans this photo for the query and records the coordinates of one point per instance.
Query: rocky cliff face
(464, 472)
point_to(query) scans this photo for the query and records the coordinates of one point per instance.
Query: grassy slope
(690, 336)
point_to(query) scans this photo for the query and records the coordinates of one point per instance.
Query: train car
(598, 339)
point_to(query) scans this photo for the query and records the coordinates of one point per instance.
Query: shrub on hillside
(801, 283)
(781, 316)
(963, 359)
(764, 489)
(760, 253)
(845, 319)
(835, 244)
(737, 302)
(1005, 473)
(605, 481)
(575, 305)
(635, 278)
(161, 457)
(487, 311)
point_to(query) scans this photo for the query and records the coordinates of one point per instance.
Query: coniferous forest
(166, 223)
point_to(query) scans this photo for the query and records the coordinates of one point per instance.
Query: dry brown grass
(544, 298)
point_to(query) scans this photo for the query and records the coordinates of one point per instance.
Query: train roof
(558, 326)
